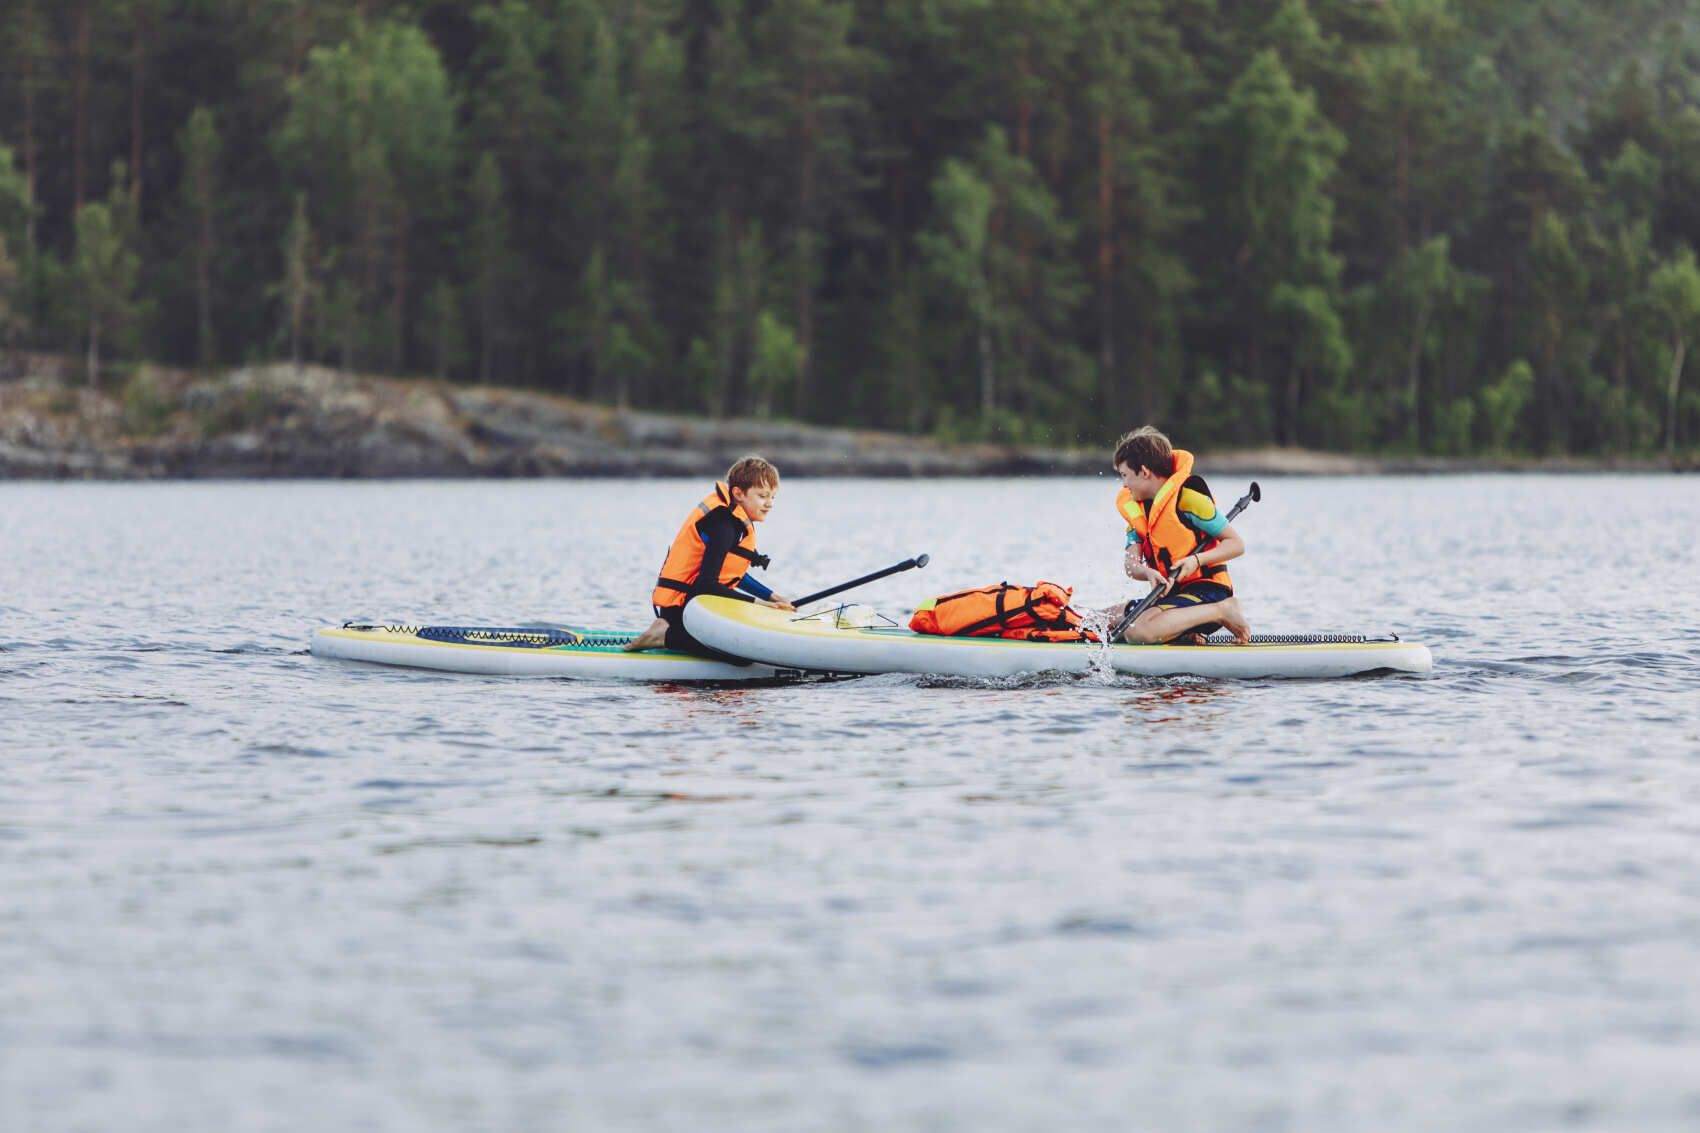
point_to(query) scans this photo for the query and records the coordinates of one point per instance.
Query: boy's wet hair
(1145, 447)
(751, 472)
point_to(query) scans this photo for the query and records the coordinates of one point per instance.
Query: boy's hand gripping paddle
(906, 564)
(1160, 589)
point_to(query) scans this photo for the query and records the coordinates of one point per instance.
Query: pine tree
(488, 236)
(1275, 154)
(298, 286)
(200, 144)
(1675, 292)
(10, 323)
(371, 134)
(106, 267)
(816, 86)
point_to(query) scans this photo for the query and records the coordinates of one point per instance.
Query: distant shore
(281, 421)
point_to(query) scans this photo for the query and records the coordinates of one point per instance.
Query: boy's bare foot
(652, 638)
(1228, 612)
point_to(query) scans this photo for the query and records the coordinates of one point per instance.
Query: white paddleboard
(826, 642)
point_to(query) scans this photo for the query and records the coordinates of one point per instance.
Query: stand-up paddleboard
(825, 641)
(524, 652)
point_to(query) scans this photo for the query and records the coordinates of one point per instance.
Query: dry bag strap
(1004, 615)
(974, 629)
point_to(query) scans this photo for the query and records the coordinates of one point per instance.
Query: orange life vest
(1030, 613)
(1164, 539)
(684, 558)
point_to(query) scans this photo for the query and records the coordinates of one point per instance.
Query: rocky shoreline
(280, 421)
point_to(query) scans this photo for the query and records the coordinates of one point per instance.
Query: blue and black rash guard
(1196, 508)
(720, 531)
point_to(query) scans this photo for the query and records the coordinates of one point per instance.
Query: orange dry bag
(1031, 613)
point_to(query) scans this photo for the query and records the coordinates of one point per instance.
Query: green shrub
(147, 406)
(1503, 402)
(1454, 424)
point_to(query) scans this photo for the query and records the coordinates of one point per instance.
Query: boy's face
(1142, 482)
(756, 501)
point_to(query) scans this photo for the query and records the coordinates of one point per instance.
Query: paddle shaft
(1160, 589)
(906, 564)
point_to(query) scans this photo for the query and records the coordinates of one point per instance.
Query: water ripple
(1051, 902)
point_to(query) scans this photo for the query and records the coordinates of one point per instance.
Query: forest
(1416, 226)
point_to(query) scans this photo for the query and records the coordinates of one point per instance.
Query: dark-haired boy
(1176, 539)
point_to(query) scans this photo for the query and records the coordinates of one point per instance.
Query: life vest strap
(756, 559)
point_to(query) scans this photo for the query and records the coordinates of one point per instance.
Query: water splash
(1102, 669)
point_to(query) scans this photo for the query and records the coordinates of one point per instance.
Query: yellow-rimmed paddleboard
(826, 642)
(524, 652)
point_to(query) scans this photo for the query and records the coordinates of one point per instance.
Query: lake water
(242, 888)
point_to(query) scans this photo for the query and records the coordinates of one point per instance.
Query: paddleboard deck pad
(828, 642)
(524, 651)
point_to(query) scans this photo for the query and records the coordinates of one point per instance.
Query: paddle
(906, 564)
(1159, 590)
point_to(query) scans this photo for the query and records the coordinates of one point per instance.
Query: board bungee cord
(521, 637)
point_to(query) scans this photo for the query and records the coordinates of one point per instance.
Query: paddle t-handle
(1157, 591)
(906, 564)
